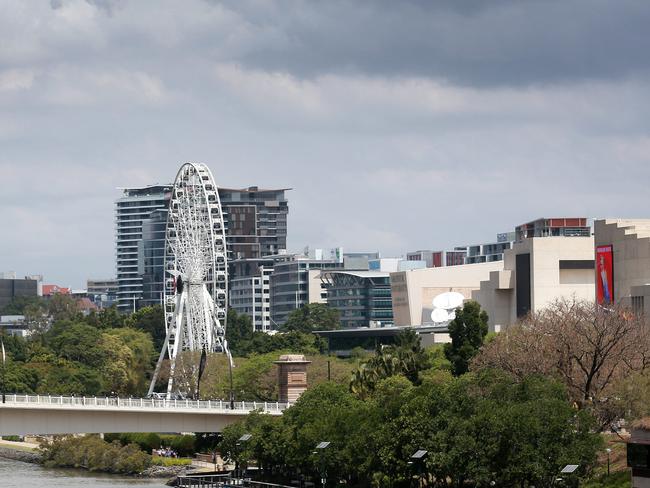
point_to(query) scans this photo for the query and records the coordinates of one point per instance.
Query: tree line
(507, 410)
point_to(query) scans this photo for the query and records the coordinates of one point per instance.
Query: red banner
(604, 274)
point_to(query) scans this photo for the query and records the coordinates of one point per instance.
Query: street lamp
(320, 449)
(4, 367)
(240, 441)
(416, 460)
(568, 469)
(608, 453)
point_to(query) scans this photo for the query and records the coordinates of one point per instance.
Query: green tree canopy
(480, 430)
(406, 357)
(148, 319)
(77, 342)
(311, 317)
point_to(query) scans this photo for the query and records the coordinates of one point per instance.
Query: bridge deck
(48, 414)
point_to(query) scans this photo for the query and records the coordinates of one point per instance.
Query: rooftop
(380, 331)
(253, 189)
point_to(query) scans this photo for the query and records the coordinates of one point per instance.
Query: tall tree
(311, 317)
(147, 319)
(406, 357)
(591, 349)
(467, 332)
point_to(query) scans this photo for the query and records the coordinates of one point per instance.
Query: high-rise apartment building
(151, 255)
(255, 221)
(132, 210)
(250, 288)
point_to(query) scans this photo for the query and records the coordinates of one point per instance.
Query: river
(26, 475)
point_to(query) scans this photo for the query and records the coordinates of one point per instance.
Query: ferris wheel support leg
(230, 366)
(156, 371)
(172, 365)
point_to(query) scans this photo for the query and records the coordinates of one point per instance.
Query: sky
(399, 125)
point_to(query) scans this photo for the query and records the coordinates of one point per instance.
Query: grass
(165, 461)
(619, 479)
(620, 474)
(11, 445)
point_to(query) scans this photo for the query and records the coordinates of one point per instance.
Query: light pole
(320, 449)
(416, 460)
(4, 367)
(568, 469)
(240, 442)
(608, 453)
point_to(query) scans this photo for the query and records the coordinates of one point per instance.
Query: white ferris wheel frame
(196, 271)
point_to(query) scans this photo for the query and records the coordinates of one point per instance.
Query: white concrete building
(251, 295)
(413, 291)
(537, 271)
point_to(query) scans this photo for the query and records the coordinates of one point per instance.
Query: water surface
(26, 475)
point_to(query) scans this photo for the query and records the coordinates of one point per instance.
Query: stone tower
(292, 377)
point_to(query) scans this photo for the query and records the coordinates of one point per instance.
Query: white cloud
(16, 79)
(73, 85)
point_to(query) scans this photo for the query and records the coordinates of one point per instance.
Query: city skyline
(440, 125)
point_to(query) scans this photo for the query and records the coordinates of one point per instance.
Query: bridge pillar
(292, 377)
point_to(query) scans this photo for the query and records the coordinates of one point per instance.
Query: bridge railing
(116, 402)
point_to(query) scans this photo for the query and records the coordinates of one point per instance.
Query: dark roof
(253, 189)
(380, 331)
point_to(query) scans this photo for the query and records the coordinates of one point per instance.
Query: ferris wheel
(196, 273)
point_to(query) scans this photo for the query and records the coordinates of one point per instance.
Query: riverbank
(28, 453)
(20, 451)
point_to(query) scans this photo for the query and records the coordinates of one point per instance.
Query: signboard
(604, 274)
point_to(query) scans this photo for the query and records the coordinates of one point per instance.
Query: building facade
(102, 292)
(413, 291)
(363, 298)
(12, 288)
(622, 254)
(554, 227)
(255, 221)
(537, 271)
(131, 211)
(250, 288)
(151, 258)
(296, 283)
(490, 251)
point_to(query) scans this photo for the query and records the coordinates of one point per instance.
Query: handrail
(140, 403)
(223, 480)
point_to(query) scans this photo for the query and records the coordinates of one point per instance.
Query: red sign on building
(604, 274)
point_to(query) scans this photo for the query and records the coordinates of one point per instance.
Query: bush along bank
(94, 454)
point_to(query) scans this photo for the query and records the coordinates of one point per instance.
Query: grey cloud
(400, 125)
(468, 42)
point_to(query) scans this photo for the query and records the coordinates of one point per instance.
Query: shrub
(12, 438)
(183, 445)
(163, 461)
(92, 453)
(145, 441)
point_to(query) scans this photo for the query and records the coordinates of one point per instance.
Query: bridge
(48, 414)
